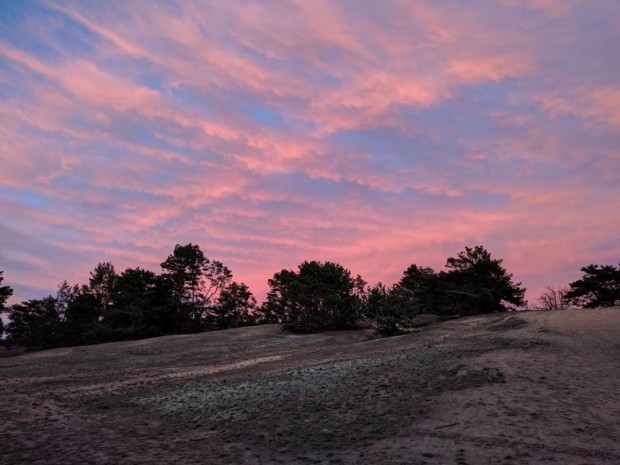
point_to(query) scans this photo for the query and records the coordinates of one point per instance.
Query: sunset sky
(376, 134)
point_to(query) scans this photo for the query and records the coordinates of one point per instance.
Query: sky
(372, 134)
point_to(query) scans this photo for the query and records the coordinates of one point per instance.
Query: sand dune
(494, 389)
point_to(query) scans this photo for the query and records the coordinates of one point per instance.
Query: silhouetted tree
(553, 298)
(192, 294)
(64, 296)
(5, 293)
(133, 306)
(196, 283)
(424, 286)
(183, 268)
(235, 307)
(64, 320)
(159, 317)
(474, 283)
(478, 283)
(599, 287)
(82, 318)
(216, 277)
(101, 283)
(34, 324)
(392, 309)
(320, 295)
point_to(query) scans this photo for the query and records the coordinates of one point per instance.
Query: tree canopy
(473, 283)
(391, 308)
(319, 295)
(236, 306)
(193, 293)
(34, 323)
(486, 285)
(5, 293)
(598, 287)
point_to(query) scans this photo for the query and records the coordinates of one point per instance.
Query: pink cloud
(493, 68)
(554, 8)
(374, 136)
(598, 103)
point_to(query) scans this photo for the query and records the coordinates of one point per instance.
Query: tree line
(598, 287)
(193, 293)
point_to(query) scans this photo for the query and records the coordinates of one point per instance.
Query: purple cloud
(273, 132)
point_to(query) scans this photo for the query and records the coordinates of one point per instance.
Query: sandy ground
(530, 388)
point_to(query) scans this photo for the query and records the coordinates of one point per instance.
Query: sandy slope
(497, 389)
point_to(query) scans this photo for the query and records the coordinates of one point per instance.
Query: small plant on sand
(554, 298)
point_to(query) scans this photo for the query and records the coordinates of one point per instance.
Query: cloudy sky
(374, 134)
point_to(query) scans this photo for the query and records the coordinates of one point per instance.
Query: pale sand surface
(527, 388)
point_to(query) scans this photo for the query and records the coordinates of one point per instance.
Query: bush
(392, 309)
